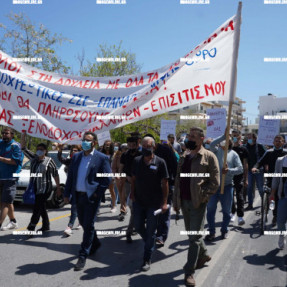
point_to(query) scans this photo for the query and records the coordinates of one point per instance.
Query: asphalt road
(244, 259)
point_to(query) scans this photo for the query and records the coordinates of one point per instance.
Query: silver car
(53, 201)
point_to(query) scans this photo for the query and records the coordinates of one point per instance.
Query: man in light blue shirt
(233, 167)
(82, 171)
(87, 187)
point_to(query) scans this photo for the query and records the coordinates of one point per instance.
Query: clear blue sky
(161, 31)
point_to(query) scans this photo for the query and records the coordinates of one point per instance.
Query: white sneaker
(79, 227)
(232, 219)
(68, 231)
(113, 210)
(281, 242)
(10, 225)
(241, 221)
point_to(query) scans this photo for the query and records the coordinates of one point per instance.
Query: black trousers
(40, 210)
(238, 186)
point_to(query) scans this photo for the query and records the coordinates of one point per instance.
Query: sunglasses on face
(5, 133)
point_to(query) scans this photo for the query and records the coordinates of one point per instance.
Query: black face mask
(190, 144)
(133, 150)
(147, 151)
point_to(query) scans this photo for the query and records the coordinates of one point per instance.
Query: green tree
(150, 125)
(108, 69)
(23, 39)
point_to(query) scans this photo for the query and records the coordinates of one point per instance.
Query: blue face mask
(86, 145)
(250, 141)
(116, 148)
(235, 140)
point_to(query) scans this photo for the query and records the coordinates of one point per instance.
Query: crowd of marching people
(146, 180)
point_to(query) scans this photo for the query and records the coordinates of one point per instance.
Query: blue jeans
(87, 211)
(226, 202)
(259, 178)
(73, 216)
(146, 229)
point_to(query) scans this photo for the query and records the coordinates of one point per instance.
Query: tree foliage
(110, 68)
(23, 39)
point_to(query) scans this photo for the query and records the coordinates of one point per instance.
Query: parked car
(53, 201)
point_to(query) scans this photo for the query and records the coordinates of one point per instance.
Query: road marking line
(203, 274)
(53, 219)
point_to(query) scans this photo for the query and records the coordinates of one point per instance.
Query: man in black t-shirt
(126, 162)
(168, 155)
(149, 191)
(240, 180)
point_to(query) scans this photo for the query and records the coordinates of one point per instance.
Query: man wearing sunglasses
(87, 188)
(11, 159)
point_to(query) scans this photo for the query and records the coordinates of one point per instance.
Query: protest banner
(216, 124)
(267, 130)
(102, 137)
(61, 107)
(167, 127)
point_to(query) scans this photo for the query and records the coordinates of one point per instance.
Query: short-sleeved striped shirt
(46, 167)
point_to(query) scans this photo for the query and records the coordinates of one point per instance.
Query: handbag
(29, 194)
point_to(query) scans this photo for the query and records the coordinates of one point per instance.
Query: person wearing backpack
(11, 159)
(41, 171)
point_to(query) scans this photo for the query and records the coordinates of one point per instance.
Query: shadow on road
(271, 258)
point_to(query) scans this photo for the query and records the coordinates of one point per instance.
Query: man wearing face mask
(126, 162)
(255, 151)
(149, 192)
(168, 155)
(87, 189)
(138, 137)
(175, 144)
(11, 159)
(240, 181)
(191, 194)
(233, 167)
(42, 169)
(269, 159)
